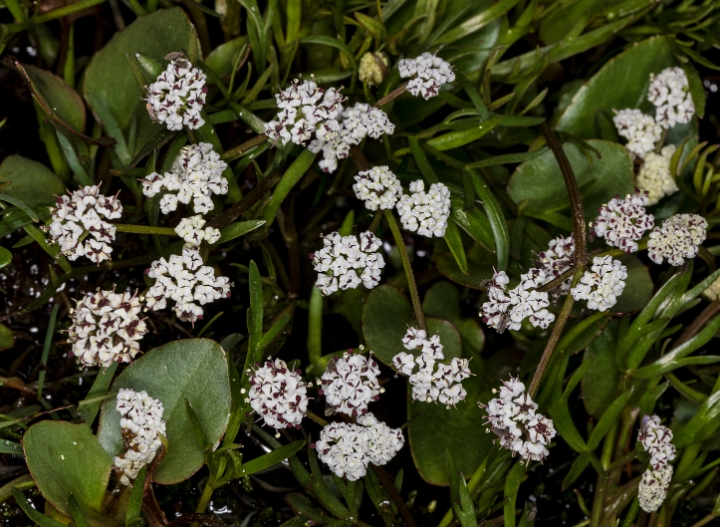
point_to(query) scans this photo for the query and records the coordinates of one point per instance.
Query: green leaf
(454, 242)
(237, 229)
(88, 411)
(76, 512)
(638, 286)
(5, 257)
(462, 137)
(192, 369)
(290, 178)
(134, 508)
(271, 458)
(506, 159)
(67, 459)
(475, 223)
(541, 183)
(477, 272)
(600, 382)
(576, 469)
(512, 486)
(601, 93)
(465, 512)
(497, 220)
(325, 40)
(223, 58)
(109, 76)
(39, 518)
(609, 418)
(255, 314)
(32, 182)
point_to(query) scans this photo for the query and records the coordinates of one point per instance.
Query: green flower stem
(376, 221)
(315, 417)
(236, 152)
(206, 495)
(397, 92)
(389, 485)
(414, 296)
(247, 201)
(554, 338)
(144, 229)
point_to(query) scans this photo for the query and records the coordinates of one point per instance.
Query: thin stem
(315, 417)
(389, 485)
(414, 296)
(359, 158)
(397, 92)
(554, 339)
(560, 279)
(376, 221)
(707, 519)
(241, 149)
(144, 229)
(206, 495)
(696, 325)
(576, 208)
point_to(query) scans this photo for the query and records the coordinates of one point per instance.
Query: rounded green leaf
(109, 76)
(477, 272)
(638, 286)
(622, 82)
(56, 97)
(64, 458)
(600, 179)
(5, 257)
(223, 58)
(192, 369)
(32, 183)
(7, 339)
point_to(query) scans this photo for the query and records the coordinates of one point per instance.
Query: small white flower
(345, 262)
(141, 424)
(622, 222)
(435, 378)
(653, 488)
(192, 232)
(654, 176)
(177, 96)
(670, 93)
(428, 73)
(425, 212)
(678, 238)
(378, 187)
(509, 308)
(350, 383)
(373, 68)
(557, 260)
(78, 225)
(513, 417)
(602, 284)
(195, 176)
(349, 448)
(656, 439)
(277, 394)
(641, 131)
(185, 280)
(106, 328)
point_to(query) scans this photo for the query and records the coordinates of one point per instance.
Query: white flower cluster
(277, 394)
(177, 96)
(520, 428)
(678, 238)
(654, 177)
(641, 131)
(557, 260)
(653, 488)
(192, 232)
(195, 176)
(106, 327)
(141, 424)
(602, 284)
(622, 222)
(345, 262)
(425, 212)
(349, 448)
(335, 137)
(185, 280)
(509, 309)
(78, 224)
(309, 113)
(656, 439)
(434, 379)
(378, 187)
(427, 72)
(670, 93)
(350, 383)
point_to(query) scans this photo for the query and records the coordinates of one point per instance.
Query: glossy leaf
(222, 59)
(5, 257)
(600, 382)
(541, 183)
(32, 182)
(237, 229)
(271, 458)
(455, 244)
(192, 369)
(67, 459)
